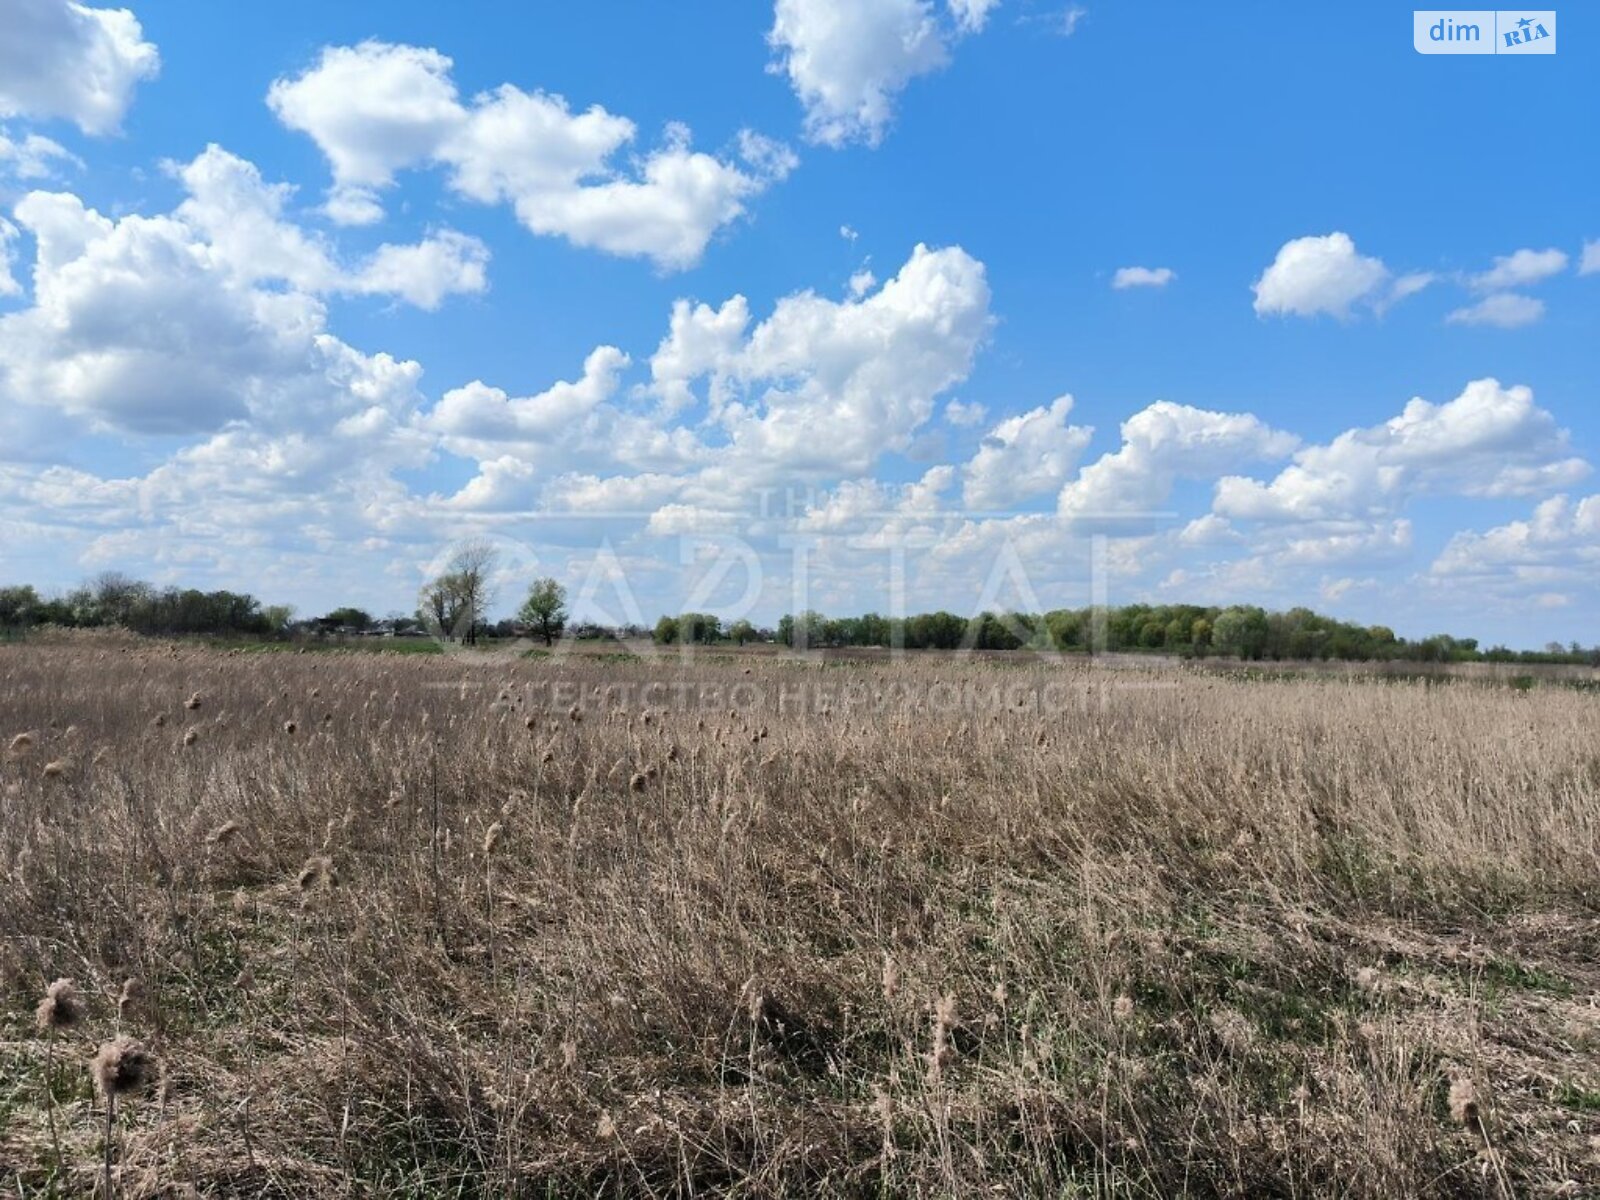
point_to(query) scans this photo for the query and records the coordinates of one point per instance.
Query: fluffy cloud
(965, 413)
(1160, 445)
(847, 60)
(1503, 310)
(8, 236)
(1559, 543)
(1025, 456)
(1132, 277)
(71, 61)
(1385, 541)
(242, 219)
(1590, 263)
(376, 109)
(1488, 441)
(33, 156)
(827, 385)
(971, 15)
(477, 417)
(1315, 275)
(1520, 269)
(209, 316)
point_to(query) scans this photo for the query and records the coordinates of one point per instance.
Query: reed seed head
(61, 1007)
(123, 1067)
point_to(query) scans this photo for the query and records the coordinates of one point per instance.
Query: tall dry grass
(414, 926)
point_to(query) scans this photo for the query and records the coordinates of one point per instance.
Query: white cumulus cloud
(376, 109)
(1488, 441)
(1025, 456)
(847, 60)
(1160, 445)
(71, 61)
(1318, 275)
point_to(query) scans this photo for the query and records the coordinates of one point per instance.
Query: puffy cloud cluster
(848, 60)
(377, 109)
(827, 385)
(1160, 445)
(1560, 542)
(73, 62)
(241, 217)
(1025, 456)
(208, 316)
(1488, 441)
(1326, 275)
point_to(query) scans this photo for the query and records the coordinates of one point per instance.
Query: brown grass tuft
(318, 871)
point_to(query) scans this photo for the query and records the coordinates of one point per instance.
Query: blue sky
(298, 295)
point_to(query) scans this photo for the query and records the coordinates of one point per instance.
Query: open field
(434, 926)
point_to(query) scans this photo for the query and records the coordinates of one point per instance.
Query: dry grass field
(427, 926)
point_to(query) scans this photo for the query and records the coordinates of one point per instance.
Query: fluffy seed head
(61, 1007)
(491, 837)
(123, 1067)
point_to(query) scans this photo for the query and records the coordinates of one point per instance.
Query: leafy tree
(741, 631)
(1242, 631)
(699, 628)
(19, 605)
(353, 618)
(545, 609)
(666, 631)
(803, 631)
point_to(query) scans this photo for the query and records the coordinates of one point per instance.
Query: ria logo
(1527, 30)
(1484, 31)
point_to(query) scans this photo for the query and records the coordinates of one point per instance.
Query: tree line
(455, 604)
(113, 599)
(1242, 631)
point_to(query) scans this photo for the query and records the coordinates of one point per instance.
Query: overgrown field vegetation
(445, 926)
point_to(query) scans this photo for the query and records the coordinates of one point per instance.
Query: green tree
(666, 631)
(355, 618)
(741, 631)
(18, 605)
(1242, 631)
(545, 609)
